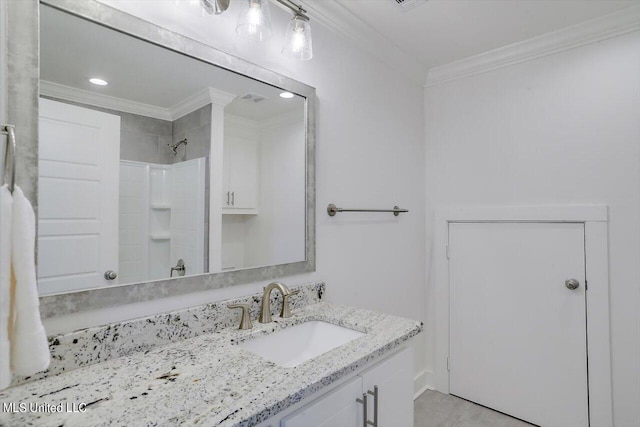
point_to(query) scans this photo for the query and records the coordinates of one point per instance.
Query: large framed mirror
(165, 166)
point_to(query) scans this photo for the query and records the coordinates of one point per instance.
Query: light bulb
(297, 43)
(254, 21)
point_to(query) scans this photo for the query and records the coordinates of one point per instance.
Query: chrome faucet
(265, 308)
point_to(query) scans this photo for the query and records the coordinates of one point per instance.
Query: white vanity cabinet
(340, 407)
(240, 176)
(394, 379)
(337, 408)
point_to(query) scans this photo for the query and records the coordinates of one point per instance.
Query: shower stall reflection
(162, 219)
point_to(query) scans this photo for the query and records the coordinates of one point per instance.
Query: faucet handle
(245, 321)
(286, 311)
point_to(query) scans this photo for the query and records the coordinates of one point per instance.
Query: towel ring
(10, 131)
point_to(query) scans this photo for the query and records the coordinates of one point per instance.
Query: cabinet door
(244, 174)
(335, 409)
(394, 378)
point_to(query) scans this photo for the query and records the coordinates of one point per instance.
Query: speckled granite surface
(85, 347)
(208, 380)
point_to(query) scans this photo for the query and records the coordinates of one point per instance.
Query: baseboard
(422, 382)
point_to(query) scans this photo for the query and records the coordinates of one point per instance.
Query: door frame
(595, 220)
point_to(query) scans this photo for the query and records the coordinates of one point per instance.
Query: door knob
(110, 275)
(571, 284)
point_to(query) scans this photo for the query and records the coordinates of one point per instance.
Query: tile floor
(434, 409)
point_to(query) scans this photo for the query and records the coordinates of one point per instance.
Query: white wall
(561, 129)
(276, 235)
(370, 153)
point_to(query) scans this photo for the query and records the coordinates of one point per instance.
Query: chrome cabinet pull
(228, 198)
(233, 198)
(374, 393)
(364, 409)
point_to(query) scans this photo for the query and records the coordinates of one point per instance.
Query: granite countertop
(208, 380)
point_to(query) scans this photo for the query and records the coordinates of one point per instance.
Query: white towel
(29, 345)
(5, 285)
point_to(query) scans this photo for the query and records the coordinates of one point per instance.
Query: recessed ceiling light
(286, 95)
(99, 82)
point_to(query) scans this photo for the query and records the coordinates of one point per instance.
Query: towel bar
(332, 210)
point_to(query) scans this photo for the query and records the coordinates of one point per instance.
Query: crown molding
(285, 119)
(602, 28)
(281, 120)
(349, 26)
(198, 100)
(192, 103)
(82, 96)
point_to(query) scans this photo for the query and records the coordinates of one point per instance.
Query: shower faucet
(180, 268)
(174, 147)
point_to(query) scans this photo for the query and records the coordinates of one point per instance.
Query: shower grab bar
(10, 131)
(332, 210)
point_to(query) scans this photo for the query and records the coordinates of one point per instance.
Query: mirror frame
(101, 298)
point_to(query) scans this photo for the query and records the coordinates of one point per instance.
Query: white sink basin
(295, 345)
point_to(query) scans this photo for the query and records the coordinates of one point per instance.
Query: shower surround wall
(161, 219)
(196, 127)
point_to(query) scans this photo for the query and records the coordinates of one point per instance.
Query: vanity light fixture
(98, 82)
(286, 95)
(254, 23)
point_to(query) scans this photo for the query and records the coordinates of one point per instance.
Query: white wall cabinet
(240, 176)
(339, 407)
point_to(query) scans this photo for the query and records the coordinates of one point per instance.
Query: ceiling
(73, 50)
(439, 32)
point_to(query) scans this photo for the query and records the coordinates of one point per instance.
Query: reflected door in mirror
(77, 219)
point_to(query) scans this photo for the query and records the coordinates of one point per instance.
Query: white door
(517, 332)
(78, 188)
